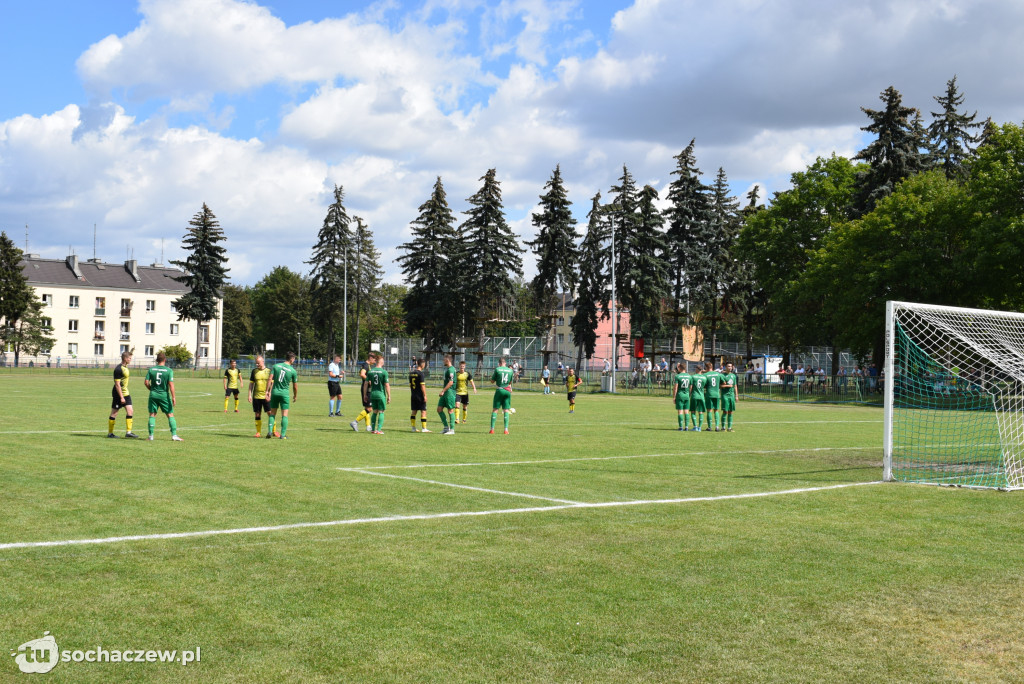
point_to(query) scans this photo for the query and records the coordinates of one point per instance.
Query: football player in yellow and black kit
(418, 394)
(463, 379)
(258, 380)
(120, 398)
(232, 384)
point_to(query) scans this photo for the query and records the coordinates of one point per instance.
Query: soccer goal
(954, 396)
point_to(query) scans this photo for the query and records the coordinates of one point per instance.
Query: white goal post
(954, 396)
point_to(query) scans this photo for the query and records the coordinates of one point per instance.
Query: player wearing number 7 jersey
(283, 377)
(160, 383)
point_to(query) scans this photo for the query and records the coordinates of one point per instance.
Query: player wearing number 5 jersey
(160, 383)
(284, 389)
(502, 379)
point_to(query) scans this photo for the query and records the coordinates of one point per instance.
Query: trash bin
(607, 384)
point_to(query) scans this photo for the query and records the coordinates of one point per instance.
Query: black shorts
(365, 392)
(334, 388)
(115, 401)
(260, 406)
(228, 392)
(571, 395)
(418, 402)
(462, 399)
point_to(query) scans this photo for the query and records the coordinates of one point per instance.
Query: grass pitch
(600, 546)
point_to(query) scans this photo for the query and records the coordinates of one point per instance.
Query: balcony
(99, 335)
(125, 336)
(101, 311)
(126, 312)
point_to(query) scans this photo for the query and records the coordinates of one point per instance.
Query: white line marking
(458, 486)
(606, 458)
(423, 516)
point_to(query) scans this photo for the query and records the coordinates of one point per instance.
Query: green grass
(865, 583)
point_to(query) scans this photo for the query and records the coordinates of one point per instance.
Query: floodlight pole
(615, 316)
(344, 339)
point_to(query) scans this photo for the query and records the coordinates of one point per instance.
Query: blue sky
(130, 115)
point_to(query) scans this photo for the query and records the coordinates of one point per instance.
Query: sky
(128, 116)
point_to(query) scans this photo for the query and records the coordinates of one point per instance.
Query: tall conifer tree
(950, 133)
(893, 155)
(332, 258)
(205, 271)
(688, 216)
(366, 274)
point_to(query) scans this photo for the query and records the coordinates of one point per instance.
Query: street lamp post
(344, 339)
(300, 349)
(615, 316)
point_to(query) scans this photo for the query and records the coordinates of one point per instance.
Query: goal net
(954, 396)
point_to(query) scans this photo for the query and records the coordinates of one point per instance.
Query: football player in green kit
(714, 380)
(728, 400)
(502, 379)
(697, 407)
(380, 393)
(681, 392)
(284, 389)
(446, 402)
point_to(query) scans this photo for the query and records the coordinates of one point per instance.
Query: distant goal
(954, 396)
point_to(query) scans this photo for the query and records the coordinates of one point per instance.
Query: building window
(174, 328)
(99, 331)
(149, 350)
(204, 352)
(561, 321)
(126, 307)
(126, 331)
(124, 348)
(73, 348)
(561, 339)
(97, 350)
(150, 305)
(73, 301)
(47, 300)
(174, 308)
(46, 323)
(204, 333)
(150, 328)
(101, 306)
(72, 326)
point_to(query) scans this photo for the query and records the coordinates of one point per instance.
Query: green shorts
(281, 401)
(697, 406)
(160, 402)
(712, 403)
(729, 403)
(378, 401)
(447, 400)
(502, 400)
(682, 402)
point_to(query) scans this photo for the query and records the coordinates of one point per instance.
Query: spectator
(607, 366)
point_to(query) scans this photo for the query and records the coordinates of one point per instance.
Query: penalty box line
(459, 486)
(601, 458)
(424, 516)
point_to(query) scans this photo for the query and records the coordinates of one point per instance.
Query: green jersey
(377, 378)
(502, 378)
(450, 374)
(698, 382)
(284, 376)
(714, 379)
(157, 378)
(683, 382)
(729, 379)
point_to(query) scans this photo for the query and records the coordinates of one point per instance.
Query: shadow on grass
(807, 472)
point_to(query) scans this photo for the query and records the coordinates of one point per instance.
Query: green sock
(380, 421)
(373, 422)
(494, 417)
(284, 425)
(679, 419)
(174, 425)
(444, 419)
(506, 420)
(270, 425)
(730, 419)
(152, 425)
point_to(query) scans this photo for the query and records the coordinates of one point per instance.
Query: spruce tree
(592, 282)
(688, 216)
(555, 242)
(205, 271)
(493, 248)
(950, 133)
(723, 231)
(647, 279)
(366, 274)
(623, 222)
(893, 155)
(554, 246)
(331, 259)
(429, 265)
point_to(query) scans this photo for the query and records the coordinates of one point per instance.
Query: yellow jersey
(259, 379)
